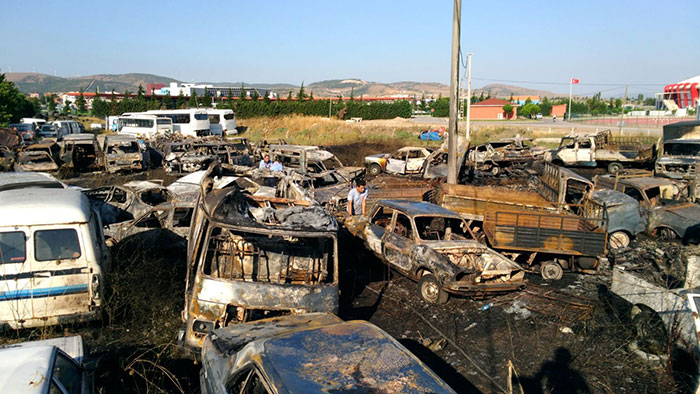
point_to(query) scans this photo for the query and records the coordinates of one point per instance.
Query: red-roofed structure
(492, 109)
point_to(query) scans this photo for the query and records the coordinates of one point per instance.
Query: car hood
(678, 160)
(377, 156)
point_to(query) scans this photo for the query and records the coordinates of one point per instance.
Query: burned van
(251, 257)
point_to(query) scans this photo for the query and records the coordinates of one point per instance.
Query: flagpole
(571, 89)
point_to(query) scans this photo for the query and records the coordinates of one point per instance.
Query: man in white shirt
(357, 199)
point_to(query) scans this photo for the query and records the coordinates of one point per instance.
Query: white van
(222, 121)
(144, 126)
(52, 258)
(188, 122)
(37, 122)
(64, 127)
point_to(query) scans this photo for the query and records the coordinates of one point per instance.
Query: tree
(193, 102)
(51, 99)
(352, 94)
(140, 92)
(254, 95)
(243, 94)
(301, 95)
(311, 95)
(508, 109)
(66, 107)
(289, 97)
(481, 96)
(181, 101)
(423, 104)
(100, 108)
(529, 109)
(511, 97)
(80, 103)
(640, 99)
(206, 100)
(13, 104)
(266, 97)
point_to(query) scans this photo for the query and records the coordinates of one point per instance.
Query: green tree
(481, 96)
(243, 95)
(206, 100)
(301, 95)
(254, 95)
(13, 104)
(529, 109)
(181, 101)
(352, 94)
(140, 93)
(100, 108)
(266, 97)
(80, 103)
(289, 96)
(508, 109)
(423, 104)
(66, 107)
(193, 102)
(511, 97)
(51, 103)
(311, 95)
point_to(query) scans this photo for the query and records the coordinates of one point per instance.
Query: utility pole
(469, 94)
(454, 96)
(571, 90)
(622, 110)
(330, 104)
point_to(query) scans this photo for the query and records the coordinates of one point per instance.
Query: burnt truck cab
(251, 257)
(436, 248)
(680, 160)
(123, 153)
(82, 152)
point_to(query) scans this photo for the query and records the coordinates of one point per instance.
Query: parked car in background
(65, 127)
(53, 258)
(55, 366)
(48, 131)
(407, 160)
(26, 131)
(312, 353)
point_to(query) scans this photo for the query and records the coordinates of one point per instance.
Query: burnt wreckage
(251, 257)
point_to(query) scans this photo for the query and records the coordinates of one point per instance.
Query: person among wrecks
(357, 199)
(265, 163)
(277, 166)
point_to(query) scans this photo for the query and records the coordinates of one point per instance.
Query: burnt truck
(252, 257)
(555, 229)
(604, 150)
(680, 155)
(436, 248)
(501, 156)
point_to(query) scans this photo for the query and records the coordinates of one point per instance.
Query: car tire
(375, 170)
(614, 168)
(431, 291)
(665, 233)
(551, 270)
(619, 240)
(495, 170)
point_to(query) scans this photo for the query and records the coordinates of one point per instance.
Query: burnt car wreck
(252, 257)
(435, 247)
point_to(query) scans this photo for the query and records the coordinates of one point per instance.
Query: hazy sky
(600, 42)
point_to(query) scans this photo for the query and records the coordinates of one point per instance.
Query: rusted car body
(123, 203)
(184, 157)
(311, 353)
(666, 216)
(123, 153)
(7, 159)
(407, 160)
(166, 223)
(434, 247)
(251, 257)
(312, 159)
(44, 156)
(504, 155)
(625, 218)
(82, 152)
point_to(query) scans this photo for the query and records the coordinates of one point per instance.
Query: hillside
(44, 83)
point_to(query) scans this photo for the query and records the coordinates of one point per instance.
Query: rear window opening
(12, 247)
(435, 228)
(56, 245)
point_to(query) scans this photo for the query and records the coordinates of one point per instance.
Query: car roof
(679, 141)
(645, 182)
(22, 180)
(120, 138)
(43, 206)
(418, 208)
(79, 136)
(315, 352)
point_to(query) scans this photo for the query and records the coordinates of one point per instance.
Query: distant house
(520, 100)
(559, 110)
(492, 109)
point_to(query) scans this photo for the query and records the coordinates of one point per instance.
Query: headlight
(203, 326)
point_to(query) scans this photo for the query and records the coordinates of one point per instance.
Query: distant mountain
(504, 91)
(43, 83)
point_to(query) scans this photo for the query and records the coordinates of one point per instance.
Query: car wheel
(665, 233)
(495, 170)
(375, 170)
(551, 270)
(614, 168)
(430, 290)
(619, 240)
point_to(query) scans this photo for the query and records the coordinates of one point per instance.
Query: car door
(585, 148)
(15, 275)
(398, 243)
(61, 277)
(414, 160)
(67, 376)
(379, 224)
(397, 163)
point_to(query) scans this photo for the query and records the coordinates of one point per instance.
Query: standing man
(357, 199)
(265, 162)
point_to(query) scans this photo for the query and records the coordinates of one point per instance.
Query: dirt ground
(559, 336)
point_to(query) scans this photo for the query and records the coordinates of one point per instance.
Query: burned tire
(619, 240)
(614, 168)
(374, 170)
(650, 330)
(495, 170)
(430, 290)
(551, 270)
(665, 233)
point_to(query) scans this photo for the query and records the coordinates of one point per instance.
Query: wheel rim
(430, 291)
(667, 234)
(552, 271)
(619, 240)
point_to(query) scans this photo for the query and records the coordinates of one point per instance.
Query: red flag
(574, 81)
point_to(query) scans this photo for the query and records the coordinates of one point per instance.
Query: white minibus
(144, 126)
(188, 122)
(222, 121)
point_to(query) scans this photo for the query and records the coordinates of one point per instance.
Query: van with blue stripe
(52, 257)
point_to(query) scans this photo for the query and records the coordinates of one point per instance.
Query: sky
(537, 44)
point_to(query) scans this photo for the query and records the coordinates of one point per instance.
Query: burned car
(184, 157)
(312, 159)
(436, 248)
(407, 160)
(504, 155)
(251, 257)
(123, 153)
(312, 353)
(666, 216)
(7, 158)
(122, 203)
(82, 152)
(44, 156)
(164, 224)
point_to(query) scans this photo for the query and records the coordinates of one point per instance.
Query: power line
(566, 83)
